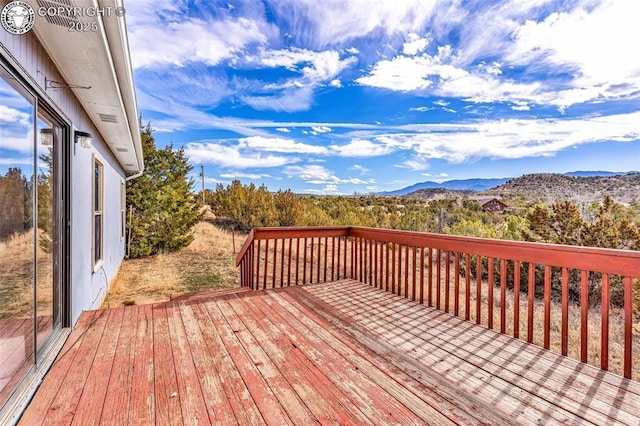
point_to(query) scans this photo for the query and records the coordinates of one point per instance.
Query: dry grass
(16, 278)
(207, 263)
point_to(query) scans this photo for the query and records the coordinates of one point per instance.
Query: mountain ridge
(486, 184)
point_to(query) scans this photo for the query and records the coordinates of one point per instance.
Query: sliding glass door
(31, 234)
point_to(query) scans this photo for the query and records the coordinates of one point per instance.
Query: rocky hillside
(550, 188)
(440, 194)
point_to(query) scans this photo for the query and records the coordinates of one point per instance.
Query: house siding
(88, 288)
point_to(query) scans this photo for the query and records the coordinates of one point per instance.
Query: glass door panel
(17, 234)
(47, 312)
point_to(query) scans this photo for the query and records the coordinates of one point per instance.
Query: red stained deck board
(504, 355)
(360, 391)
(167, 398)
(268, 404)
(320, 396)
(116, 404)
(244, 408)
(285, 384)
(217, 403)
(143, 407)
(194, 410)
(340, 352)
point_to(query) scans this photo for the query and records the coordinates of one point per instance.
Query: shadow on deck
(339, 352)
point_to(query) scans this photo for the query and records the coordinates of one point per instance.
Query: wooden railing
(572, 300)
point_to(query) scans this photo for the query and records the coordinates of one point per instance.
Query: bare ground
(206, 263)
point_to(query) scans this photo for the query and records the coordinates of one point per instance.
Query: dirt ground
(207, 263)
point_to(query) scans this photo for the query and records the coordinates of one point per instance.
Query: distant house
(69, 141)
(493, 205)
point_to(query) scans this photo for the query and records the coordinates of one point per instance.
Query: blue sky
(337, 97)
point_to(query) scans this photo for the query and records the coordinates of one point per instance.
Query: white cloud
(312, 173)
(14, 116)
(283, 130)
(359, 168)
(260, 143)
(361, 148)
(414, 164)
(321, 129)
(335, 83)
(238, 175)
(415, 45)
(193, 40)
(421, 109)
(225, 156)
(335, 22)
(513, 138)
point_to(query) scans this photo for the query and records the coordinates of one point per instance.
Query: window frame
(123, 210)
(97, 210)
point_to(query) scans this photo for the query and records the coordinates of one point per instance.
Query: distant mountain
(486, 184)
(550, 188)
(456, 185)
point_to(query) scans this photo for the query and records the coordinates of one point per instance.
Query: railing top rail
(300, 232)
(623, 262)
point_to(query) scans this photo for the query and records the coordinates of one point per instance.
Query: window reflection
(17, 240)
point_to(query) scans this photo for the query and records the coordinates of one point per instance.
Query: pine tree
(164, 210)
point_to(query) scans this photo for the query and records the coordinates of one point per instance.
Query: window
(123, 211)
(98, 213)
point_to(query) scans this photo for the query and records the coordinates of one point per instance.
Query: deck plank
(115, 408)
(327, 402)
(270, 407)
(341, 352)
(89, 327)
(355, 386)
(168, 409)
(488, 389)
(555, 377)
(143, 407)
(244, 408)
(194, 409)
(423, 400)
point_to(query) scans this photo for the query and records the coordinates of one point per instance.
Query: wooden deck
(335, 353)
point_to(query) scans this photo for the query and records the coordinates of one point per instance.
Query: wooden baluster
(422, 275)
(491, 279)
(289, 263)
(547, 306)
(584, 315)
(413, 286)
(406, 271)
(516, 299)
(564, 333)
(375, 264)
(370, 270)
(604, 333)
(447, 279)
(478, 289)
(266, 263)
(393, 268)
(467, 290)
(258, 267)
(503, 296)
(430, 279)
(282, 264)
(386, 269)
(297, 260)
(438, 276)
(338, 257)
(456, 286)
(628, 326)
(531, 289)
(275, 262)
(319, 259)
(333, 257)
(304, 262)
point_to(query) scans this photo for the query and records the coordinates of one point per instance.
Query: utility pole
(202, 176)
